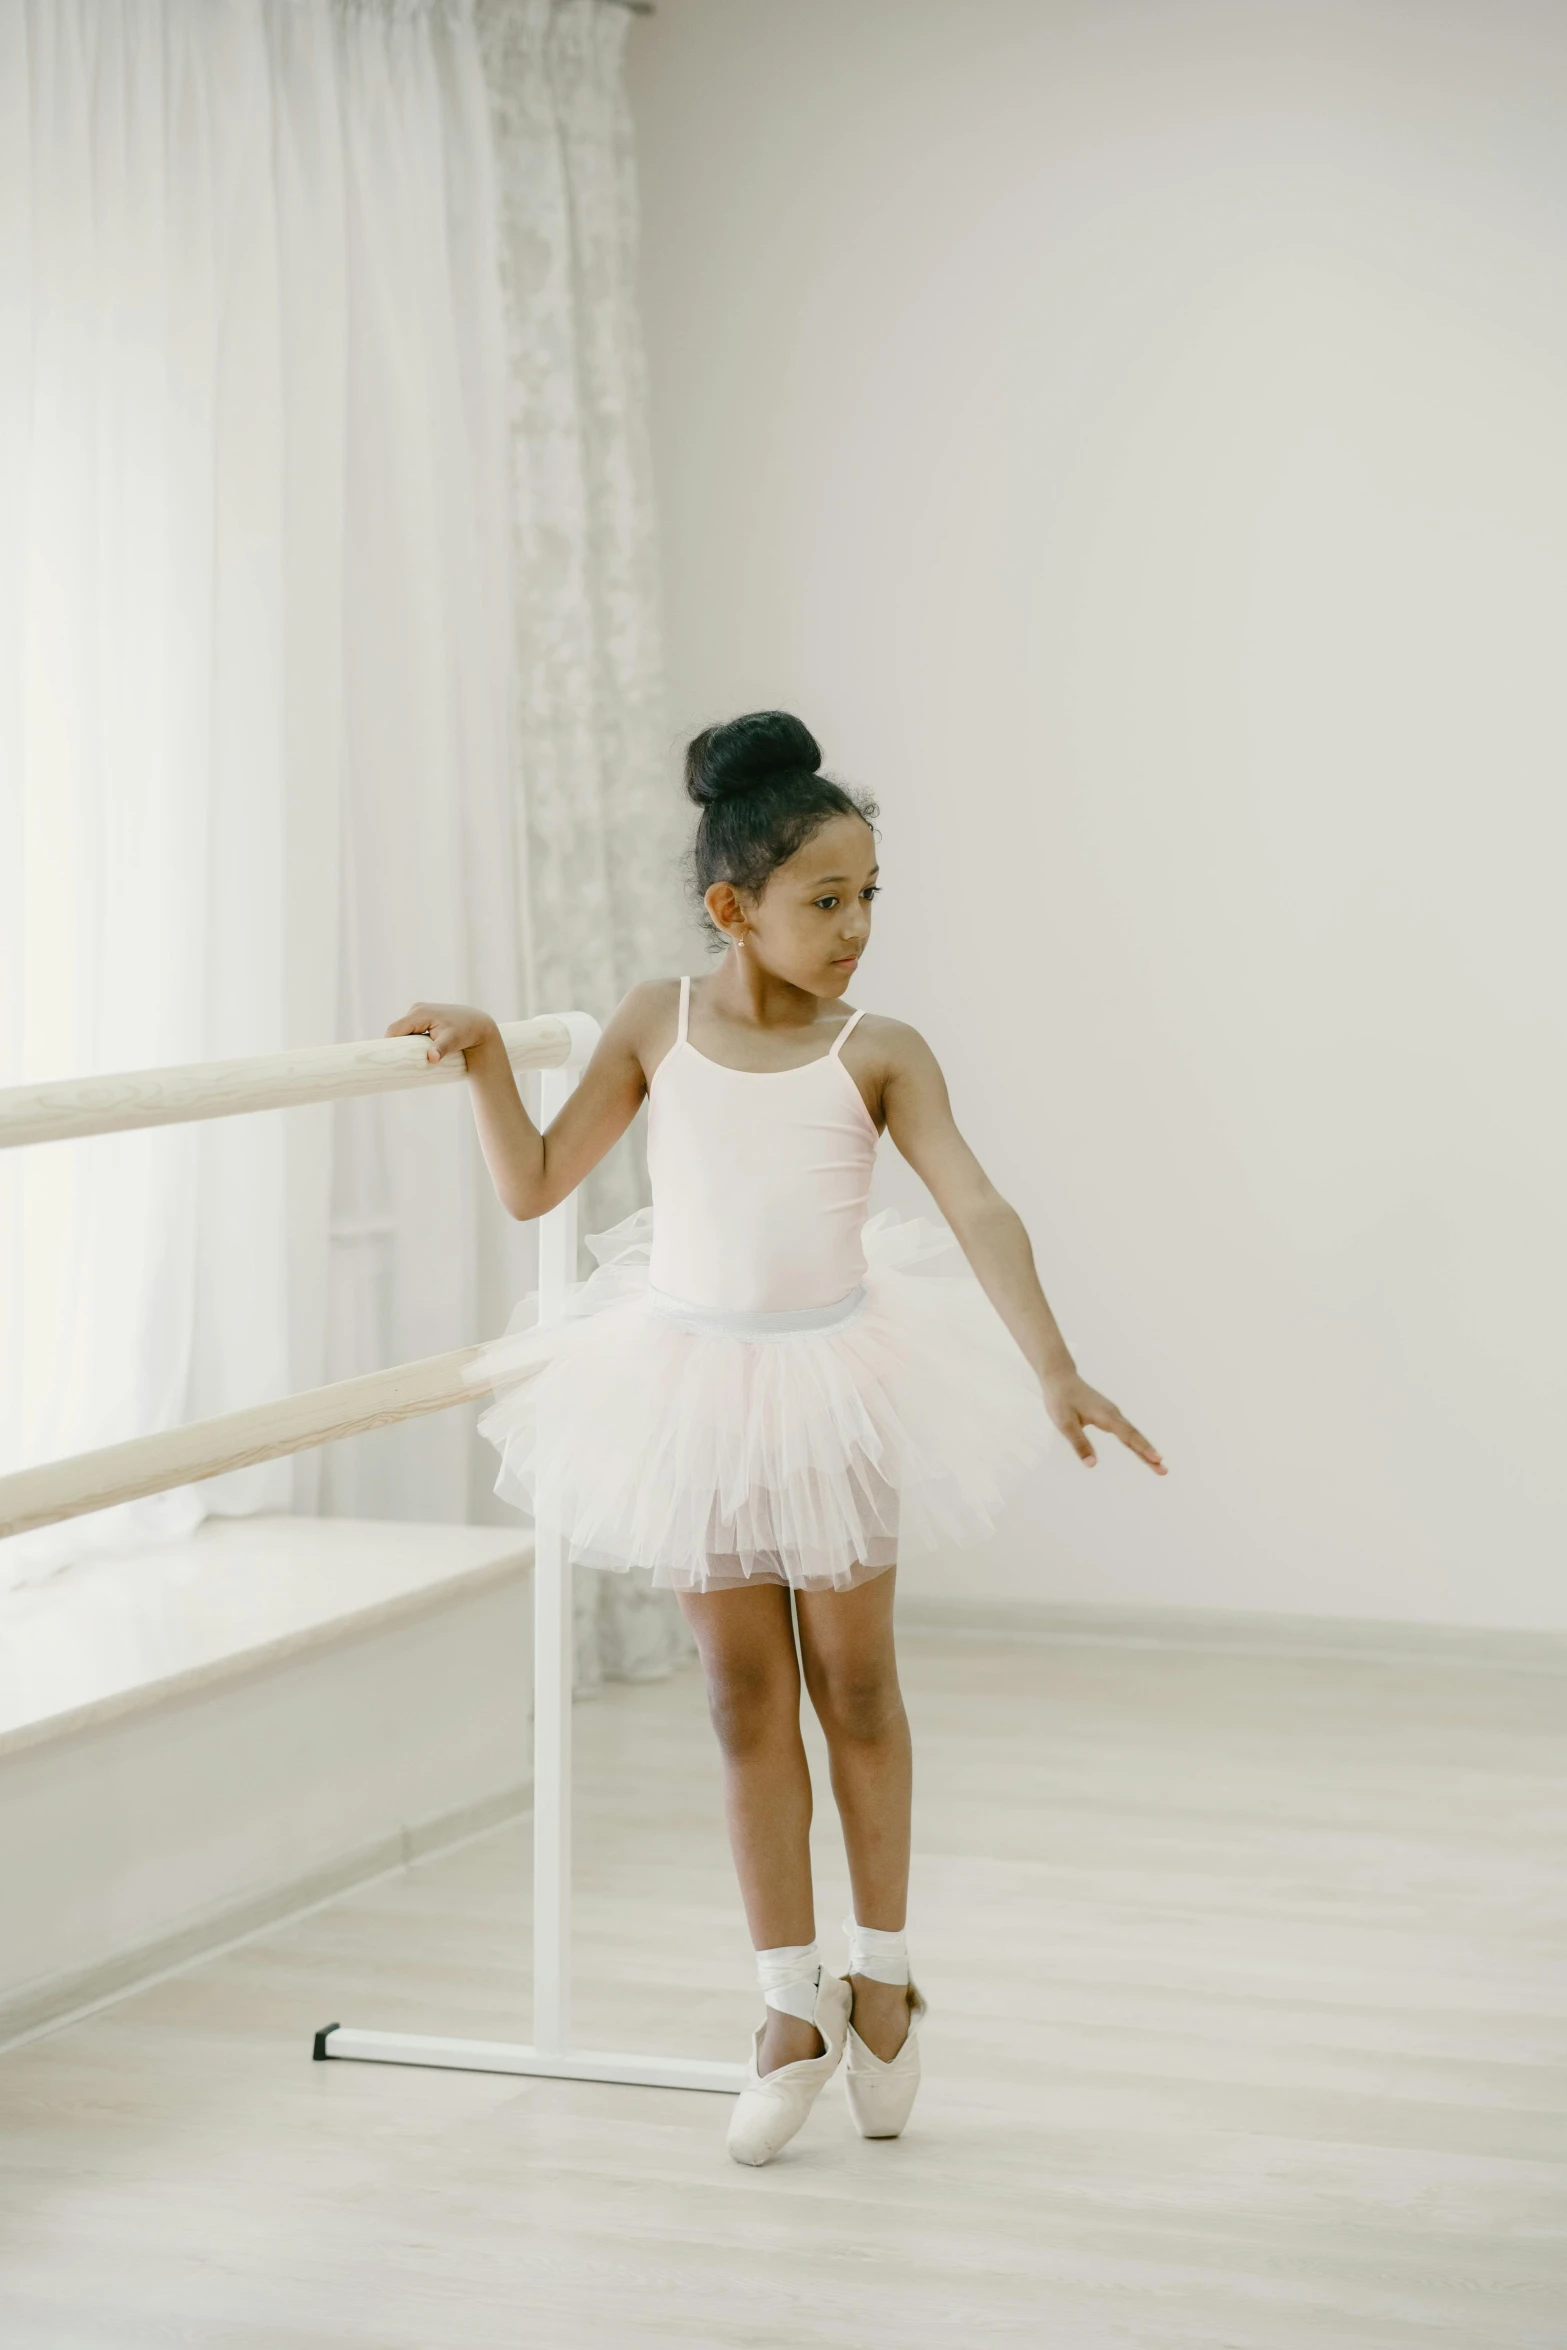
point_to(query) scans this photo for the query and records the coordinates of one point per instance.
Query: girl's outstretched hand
(1075, 1407)
(451, 1028)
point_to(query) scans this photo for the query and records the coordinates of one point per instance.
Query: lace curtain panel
(603, 835)
(329, 677)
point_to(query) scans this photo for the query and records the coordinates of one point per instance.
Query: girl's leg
(746, 1641)
(851, 1673)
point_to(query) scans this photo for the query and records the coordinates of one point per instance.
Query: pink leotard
(760, 1180)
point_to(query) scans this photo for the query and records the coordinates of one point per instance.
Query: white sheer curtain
(253, 596)
(428, 894)
(329, 677)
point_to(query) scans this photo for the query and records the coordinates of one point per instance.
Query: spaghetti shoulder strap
(844, 1034)
(685, 1010)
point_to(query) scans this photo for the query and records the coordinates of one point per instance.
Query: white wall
(1132, 436)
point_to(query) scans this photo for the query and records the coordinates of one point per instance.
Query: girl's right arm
(533, 1172)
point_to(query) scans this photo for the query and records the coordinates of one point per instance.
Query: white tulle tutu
(809, 1456)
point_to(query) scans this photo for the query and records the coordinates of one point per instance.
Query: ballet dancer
(761, 1396)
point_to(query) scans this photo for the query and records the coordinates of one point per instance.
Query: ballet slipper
(773, 2106)
(881, 2090)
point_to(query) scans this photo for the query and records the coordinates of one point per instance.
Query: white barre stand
(549, 2055)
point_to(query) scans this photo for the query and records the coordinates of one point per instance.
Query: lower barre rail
(236, 1440)
(336, 2041)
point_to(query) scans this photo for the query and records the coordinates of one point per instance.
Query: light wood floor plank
(1248, 2032)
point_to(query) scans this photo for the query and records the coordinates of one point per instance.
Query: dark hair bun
(759, 785)
(724, 761)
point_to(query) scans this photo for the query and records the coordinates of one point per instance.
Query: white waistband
(719, 1323)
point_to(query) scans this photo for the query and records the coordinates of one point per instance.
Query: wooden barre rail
(75, 1106)
(237, 1440)
(70, 1488)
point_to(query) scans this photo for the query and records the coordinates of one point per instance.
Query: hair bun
(723, 761)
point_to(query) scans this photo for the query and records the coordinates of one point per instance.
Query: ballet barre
(558, 1046)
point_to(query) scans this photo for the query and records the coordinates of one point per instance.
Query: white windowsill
(110, 1634)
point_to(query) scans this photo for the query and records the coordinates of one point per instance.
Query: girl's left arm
(991, 1235)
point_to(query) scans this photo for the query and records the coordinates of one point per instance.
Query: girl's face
(811, 921)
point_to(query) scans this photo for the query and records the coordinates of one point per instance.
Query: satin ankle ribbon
(789, 1976)
(882, 1958)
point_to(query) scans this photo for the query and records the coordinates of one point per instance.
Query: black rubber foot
(321, 2040)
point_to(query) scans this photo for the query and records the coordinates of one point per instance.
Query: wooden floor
(1248, 2032)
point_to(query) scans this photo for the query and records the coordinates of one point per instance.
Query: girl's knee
(752, 1705)
(859, 1703)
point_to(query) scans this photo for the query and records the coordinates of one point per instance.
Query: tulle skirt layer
(808, 1456)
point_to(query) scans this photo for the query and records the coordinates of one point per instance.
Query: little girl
(761, 1396)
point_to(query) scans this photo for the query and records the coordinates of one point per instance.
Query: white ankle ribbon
(789, 1977)
(883, 1958)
